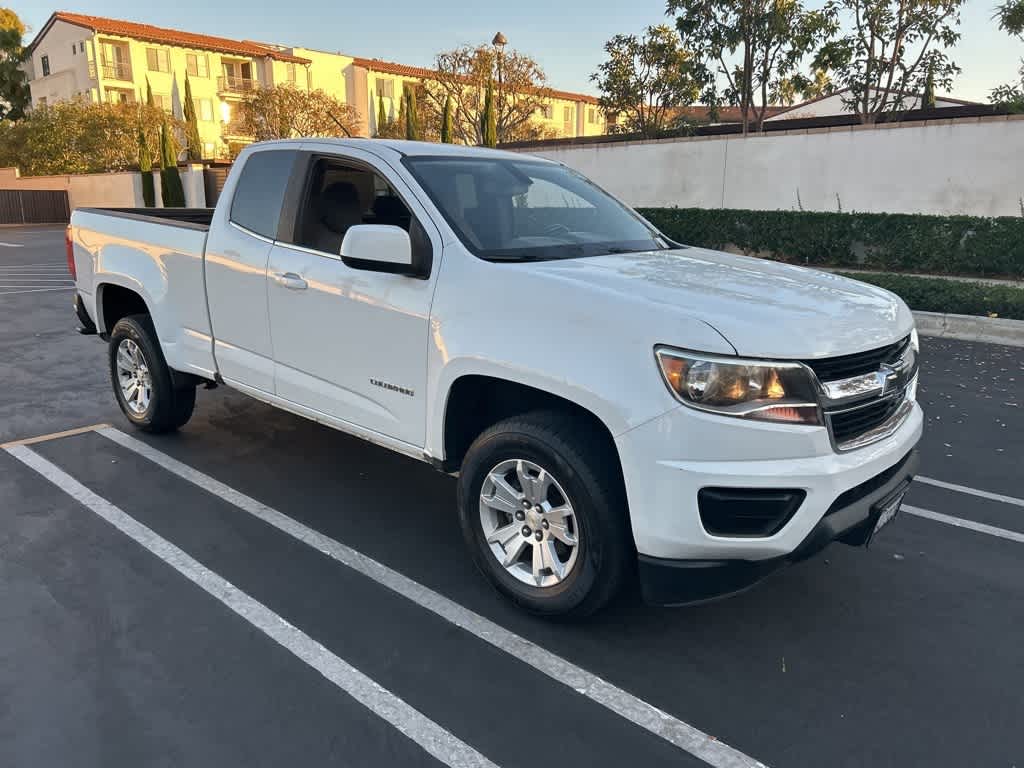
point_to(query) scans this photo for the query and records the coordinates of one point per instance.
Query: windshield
(523, 210)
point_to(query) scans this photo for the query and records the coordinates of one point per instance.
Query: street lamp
(499, 41)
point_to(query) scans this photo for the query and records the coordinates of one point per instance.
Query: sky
(564, 36)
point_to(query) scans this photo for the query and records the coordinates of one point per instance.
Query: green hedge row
(931, 294)
(944, 245)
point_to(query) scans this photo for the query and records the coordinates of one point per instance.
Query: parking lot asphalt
(258, 589)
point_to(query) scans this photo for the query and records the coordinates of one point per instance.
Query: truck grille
(849, 425)
(854, 422)
(845, 366)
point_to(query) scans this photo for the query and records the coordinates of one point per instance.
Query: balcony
(121, 71)
(235, 129)
(233, 85)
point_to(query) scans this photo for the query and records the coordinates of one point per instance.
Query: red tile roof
(166, 36)
(404, 70)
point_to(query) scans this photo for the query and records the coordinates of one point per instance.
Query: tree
(446, 121)
(488, 120)
(14, 92)
(889, 51)
(76, 136)
(382, 116)
(284, 112)
(928, 97)
(817, 85)
(462, 75)
(645, 80)
(1011, 20)
(412, 127)
(751, 45)
(146, 167)
(171, 191)
(192, 140)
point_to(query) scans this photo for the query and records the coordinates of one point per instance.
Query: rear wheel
(142, 381)
(543, 511)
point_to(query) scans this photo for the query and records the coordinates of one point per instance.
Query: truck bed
(156, 253)
(186, 217)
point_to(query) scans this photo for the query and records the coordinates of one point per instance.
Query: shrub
(946, 245)
(931, 294)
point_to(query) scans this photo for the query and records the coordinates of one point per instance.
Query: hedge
(931, 294)
(887, 242)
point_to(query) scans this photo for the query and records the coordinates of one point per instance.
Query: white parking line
(972, 491)
(637, 711)
(11, 245)
(959, 522)
(429, 735)
(38, 290)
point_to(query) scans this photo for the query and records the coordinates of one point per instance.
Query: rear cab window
(260, 191)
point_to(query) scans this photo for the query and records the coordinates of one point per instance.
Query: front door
(237, 250)
(352, 343)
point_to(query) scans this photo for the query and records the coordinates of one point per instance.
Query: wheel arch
(116, 299)
(476, 401)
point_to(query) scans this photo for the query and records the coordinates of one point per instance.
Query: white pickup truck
(616, 405)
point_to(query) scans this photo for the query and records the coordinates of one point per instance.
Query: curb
(990, 330)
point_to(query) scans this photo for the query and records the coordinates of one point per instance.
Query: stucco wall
(107, 190)
(941, 167)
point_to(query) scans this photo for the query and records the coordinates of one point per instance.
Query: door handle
(291, 281)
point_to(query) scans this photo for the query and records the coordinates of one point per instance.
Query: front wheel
(142, 381)
(543, 511)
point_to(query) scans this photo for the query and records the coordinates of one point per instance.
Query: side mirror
(378, 248)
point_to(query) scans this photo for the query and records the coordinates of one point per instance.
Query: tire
(578, 465)
(167, 408)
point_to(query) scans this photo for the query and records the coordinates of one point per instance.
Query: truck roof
(406, 147)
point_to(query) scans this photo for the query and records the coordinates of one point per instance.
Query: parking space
(259, 589)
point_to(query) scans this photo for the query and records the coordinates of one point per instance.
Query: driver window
(339, 196)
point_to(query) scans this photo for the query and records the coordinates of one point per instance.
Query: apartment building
(110, 60)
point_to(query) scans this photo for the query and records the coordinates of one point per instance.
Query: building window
(81, 47)
(385, 88)
(163, 101)
(289, 73)
(567, 114)
(41, 101)
(197, 65)
(158, 60)
(549, 112)
(74, 49)
(591, 115)
(205, 110)
(44, 62)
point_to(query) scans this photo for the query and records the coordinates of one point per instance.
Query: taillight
(69, 248)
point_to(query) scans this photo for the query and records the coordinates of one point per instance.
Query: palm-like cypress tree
(382, 116)
(928, 100)
(446, 122)
(146, 168)
(489, 123)
(192, 140)
(412, 126)
(170, 182)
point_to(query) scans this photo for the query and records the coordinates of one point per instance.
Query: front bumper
(851, 519)
(667, 461)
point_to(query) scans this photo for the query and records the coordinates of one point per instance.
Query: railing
(235, 128)
(117, 71)
(236, 84)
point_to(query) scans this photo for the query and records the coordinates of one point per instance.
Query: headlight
(750, 389)
(915, 342)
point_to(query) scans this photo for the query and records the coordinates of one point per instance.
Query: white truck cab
(614, 403)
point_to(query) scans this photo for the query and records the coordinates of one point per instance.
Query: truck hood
(762, 308)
